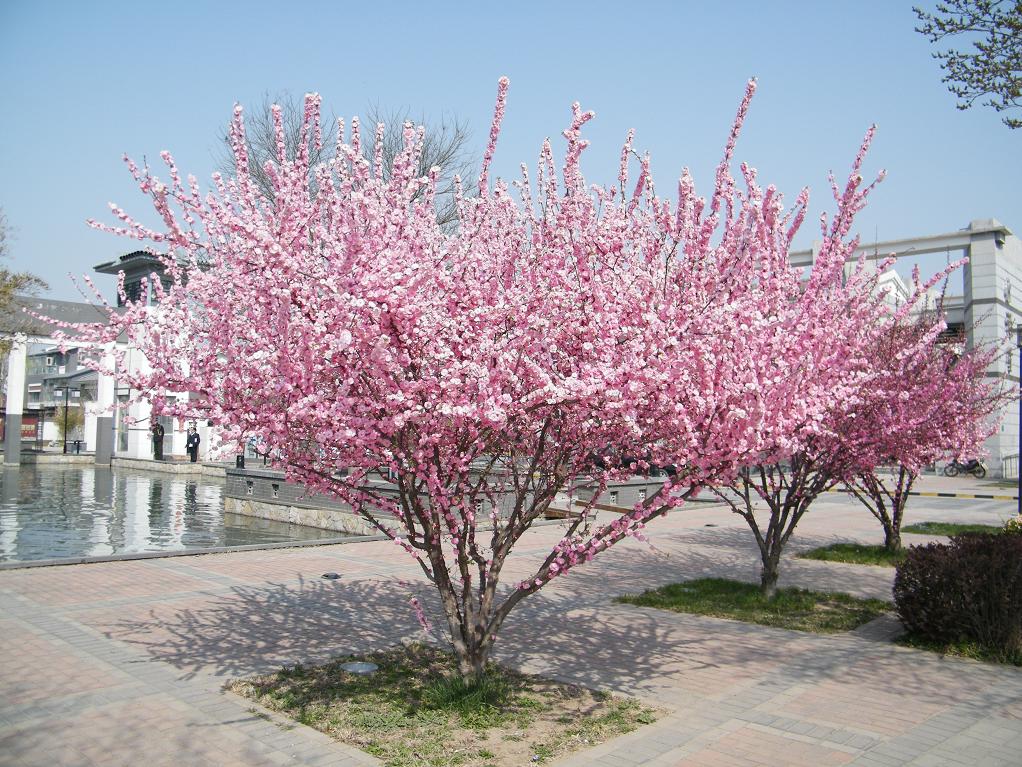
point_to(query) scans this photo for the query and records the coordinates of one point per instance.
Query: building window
(132, 292)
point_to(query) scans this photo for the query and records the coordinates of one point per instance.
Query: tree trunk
(892, 539)
(472, 664)
(768, 578)
(471, 650)
(892, 532)
(469, 639)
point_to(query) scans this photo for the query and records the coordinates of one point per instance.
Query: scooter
(972, 466)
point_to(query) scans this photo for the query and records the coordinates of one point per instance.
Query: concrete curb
(930, 494)
(128, 557)
(983, 496)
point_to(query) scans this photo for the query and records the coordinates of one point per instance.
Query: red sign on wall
(29, 426)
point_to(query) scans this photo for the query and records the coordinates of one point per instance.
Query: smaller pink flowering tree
(851, 322)
(930, 406)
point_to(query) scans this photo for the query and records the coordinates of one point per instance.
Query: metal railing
(1009, 466)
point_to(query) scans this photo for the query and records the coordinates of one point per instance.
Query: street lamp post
(67, 393)
(67, 397)
(1018, 462)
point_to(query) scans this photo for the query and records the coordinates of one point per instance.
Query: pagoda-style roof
(132, 263)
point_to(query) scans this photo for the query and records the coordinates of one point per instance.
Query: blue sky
(83, 83)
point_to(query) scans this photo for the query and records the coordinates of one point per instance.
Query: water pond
(74, 511)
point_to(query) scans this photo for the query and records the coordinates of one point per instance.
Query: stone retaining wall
(75, 459)
(169, 467)
(325, 519)
(263, 492)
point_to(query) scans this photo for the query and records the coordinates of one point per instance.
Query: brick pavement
(124, 662)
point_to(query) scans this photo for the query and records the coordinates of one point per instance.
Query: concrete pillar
(16, 360)
(993, 309)
(140, 439)
(105, 387)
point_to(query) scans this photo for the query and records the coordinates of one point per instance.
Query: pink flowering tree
(909, 400)
(448, 385)
(928, 406)
(847, 342)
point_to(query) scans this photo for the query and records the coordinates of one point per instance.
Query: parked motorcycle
(973, 467)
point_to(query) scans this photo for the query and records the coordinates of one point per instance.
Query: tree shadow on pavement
(572, 632)
(255, 629)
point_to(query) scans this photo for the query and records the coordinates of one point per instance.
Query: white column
(16, 360)
(140, 440)
(103, 438)
(993, 308)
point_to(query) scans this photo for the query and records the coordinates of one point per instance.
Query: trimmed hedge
(968, 591)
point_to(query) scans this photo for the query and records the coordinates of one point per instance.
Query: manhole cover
(359, 668)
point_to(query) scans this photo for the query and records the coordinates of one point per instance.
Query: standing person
(157, 432)
(192, 443)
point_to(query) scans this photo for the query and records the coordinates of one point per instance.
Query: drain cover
(359, 667)
(331, 576)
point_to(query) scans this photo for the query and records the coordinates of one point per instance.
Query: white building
(122, 432)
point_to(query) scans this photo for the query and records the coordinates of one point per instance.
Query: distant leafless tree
(262, 141)
(446, 145)
(13, 284)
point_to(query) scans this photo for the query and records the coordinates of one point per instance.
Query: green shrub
(968, 591)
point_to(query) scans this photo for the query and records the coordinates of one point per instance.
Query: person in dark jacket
(192, 443)
(157, 431)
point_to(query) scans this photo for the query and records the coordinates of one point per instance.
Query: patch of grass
(959, 649)
(949, 528)
(790, 608)
(856, 554)
(416, 711)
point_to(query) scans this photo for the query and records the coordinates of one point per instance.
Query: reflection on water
(72, 511)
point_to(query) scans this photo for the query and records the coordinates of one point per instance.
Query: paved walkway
(122, 663)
